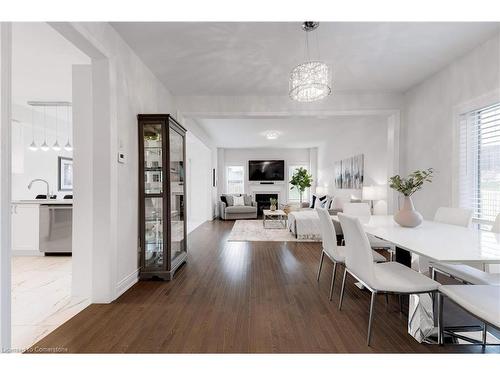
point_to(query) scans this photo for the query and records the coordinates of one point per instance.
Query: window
(293, 194)
(235, 181)
(479, 162)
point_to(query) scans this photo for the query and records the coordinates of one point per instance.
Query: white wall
(44, 78)
(199, 182)
(350, 137)
(232, 156)
(128, 88)
(5, 185)
(428, 119)
(28, 165)
(204, 139)
(133, 90)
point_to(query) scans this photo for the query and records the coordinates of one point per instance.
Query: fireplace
(262, 200)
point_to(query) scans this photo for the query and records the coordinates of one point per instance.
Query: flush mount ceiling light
(310, 81)
(272, 134)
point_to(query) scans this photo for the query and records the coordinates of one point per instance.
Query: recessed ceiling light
(272, 134)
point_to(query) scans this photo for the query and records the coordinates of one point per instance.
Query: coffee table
(278, 216)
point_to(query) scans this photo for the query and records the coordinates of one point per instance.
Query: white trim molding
(5, 184)
(126, 283)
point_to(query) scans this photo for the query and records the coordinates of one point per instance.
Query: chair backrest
(357, 209)
(496, 226)
(328, 235)
(454, 216)
(358, 254)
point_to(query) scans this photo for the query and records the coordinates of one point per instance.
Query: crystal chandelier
(310, 81)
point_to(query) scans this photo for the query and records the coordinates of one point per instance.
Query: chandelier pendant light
(68, 146)
(33, 146)
(310, 81)
(44, 146)
(56, 146)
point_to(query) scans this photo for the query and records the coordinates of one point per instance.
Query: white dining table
(438, 242)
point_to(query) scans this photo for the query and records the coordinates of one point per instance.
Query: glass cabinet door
(153, 251)
(177, 177)
(153, 199)
(162, 226)
(153, 171)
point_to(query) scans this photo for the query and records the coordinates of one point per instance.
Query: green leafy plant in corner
(411, 184)
(301, 180)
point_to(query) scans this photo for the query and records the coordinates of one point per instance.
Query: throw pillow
(248, 199)
(327, 202)
(320, 202)
(230, 200)
(223, 199)
(239, 201)
(313, 200)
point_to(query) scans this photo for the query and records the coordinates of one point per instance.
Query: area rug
(254, 231)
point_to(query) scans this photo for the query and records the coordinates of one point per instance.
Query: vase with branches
(301, 180)
(407, 215)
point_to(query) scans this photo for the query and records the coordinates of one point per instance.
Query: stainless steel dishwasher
(56, 222)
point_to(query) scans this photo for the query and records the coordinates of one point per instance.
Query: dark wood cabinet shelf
(162, 192)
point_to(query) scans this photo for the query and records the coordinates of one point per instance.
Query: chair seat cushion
(397, 278)
(468, 274)
(340, 256)
(240, 209)
(483, 301)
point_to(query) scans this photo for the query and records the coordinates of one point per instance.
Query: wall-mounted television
(266, 170)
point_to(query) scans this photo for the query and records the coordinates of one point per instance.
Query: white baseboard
(126, 283)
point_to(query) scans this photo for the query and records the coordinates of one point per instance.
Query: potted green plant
(301, 180)
(274, 203)
(407, 215)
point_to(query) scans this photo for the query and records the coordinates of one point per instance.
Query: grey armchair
(228, 211)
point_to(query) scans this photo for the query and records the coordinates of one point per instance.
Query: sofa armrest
(222, 210)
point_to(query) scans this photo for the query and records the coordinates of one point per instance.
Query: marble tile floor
(41, 297)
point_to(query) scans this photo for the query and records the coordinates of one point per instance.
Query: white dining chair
(362, 210)
(466, 273)
(378, 278)
(453, 216)
(330, 248)
(481, 301)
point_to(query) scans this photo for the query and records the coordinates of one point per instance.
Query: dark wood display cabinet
(162, 192)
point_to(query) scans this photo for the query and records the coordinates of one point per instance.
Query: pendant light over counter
(55, 105)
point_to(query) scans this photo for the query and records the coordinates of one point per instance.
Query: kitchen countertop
(44, 201)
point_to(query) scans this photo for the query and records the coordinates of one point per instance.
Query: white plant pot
(407, 216)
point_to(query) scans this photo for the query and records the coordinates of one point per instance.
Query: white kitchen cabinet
(25, 228)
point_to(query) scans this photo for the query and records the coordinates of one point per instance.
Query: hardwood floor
(241, 297)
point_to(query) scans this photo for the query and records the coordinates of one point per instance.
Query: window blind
(479, 162)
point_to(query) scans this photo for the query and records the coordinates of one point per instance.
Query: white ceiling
(244, 58)
(41, 63)
(296, 132)
(41, 70)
